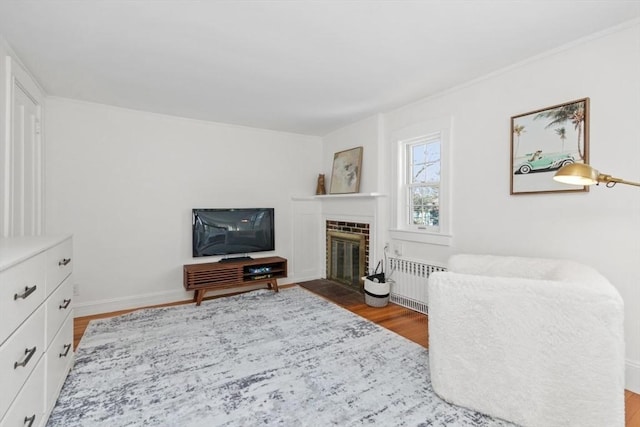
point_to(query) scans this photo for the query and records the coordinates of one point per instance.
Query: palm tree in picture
(573, 113)
(517, 130)
(562, 133)
(578, 122)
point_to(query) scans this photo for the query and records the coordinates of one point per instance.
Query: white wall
(4, 137)
(364, 133)
(124, 183)
(600, 228)
(21, 160)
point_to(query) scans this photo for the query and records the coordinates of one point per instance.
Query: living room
(123, 179)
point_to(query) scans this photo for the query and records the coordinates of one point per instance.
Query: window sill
(421, 237)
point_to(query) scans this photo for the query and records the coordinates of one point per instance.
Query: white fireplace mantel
(338, 196)
(310, 214)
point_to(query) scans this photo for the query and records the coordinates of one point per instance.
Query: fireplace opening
(347, 253)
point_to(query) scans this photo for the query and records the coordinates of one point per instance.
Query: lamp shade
(577, 174)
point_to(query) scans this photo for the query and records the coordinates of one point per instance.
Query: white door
(24, 176)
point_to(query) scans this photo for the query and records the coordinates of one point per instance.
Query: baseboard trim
(632, 376)
(306, 278)
(91, 308)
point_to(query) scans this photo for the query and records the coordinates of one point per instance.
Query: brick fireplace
(347, 252)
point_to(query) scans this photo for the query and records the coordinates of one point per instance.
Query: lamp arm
(608, 179)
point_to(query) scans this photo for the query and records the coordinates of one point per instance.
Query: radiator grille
(409, 281)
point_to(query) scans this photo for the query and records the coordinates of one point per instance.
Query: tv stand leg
(273, 284)
(198, 296)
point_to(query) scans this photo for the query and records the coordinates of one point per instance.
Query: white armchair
(538, 342)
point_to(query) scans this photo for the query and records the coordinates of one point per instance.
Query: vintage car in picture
(543, 162)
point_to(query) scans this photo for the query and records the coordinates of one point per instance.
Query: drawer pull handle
(64, 262)
(65, 304)
(30, 420)
(27, 291)
(29, 353)
(67, 347)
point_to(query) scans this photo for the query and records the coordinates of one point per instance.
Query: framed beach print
(345, 175)
(543, 141)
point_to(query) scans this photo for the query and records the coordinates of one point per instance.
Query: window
(422, 183)
(422, 192)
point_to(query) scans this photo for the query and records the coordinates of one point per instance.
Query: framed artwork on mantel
(542, 141)
(345, 175)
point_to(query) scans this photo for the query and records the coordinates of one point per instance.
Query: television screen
(232, 231)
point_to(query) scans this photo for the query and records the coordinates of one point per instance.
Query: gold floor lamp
(583, 174)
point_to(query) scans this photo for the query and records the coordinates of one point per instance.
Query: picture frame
(346, 171)
(544, 140)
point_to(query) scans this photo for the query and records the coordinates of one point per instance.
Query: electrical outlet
(76, 289)
(397, 249)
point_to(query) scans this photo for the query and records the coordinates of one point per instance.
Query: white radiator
(409, 282)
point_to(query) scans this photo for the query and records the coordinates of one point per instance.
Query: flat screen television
(232, 231)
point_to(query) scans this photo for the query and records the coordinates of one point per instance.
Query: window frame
(401, 228)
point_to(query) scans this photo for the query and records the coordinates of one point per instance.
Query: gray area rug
(260, 358)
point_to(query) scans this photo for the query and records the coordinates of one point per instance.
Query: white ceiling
(307, 67)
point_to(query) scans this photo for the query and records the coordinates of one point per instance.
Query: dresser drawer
(59, 264)
(58, 306)
(59, 358)
(21, 292)
(19, 355)
(29, 404)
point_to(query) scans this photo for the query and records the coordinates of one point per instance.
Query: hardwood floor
(403, 321)
(632, 409)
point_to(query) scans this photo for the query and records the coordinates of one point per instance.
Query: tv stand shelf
(233, 274)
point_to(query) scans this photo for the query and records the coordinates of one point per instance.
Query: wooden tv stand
(233, 274)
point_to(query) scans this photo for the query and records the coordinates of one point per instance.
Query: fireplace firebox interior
(347, 253)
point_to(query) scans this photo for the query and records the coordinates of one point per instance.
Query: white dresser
(36, 326)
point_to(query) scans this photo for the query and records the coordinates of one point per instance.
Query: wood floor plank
(632, 409)
(405, 322)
